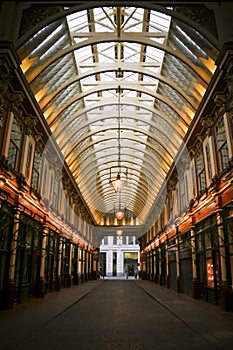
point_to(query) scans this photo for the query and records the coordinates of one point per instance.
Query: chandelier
(118, 183)
(119, 211)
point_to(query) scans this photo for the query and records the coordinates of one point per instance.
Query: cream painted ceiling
(79, 58)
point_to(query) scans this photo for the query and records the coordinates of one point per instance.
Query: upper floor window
(29, 160)
(55, 193)
(221, 143)
(67, 203)
(44, 182)
(131, 240)
(200, 167)
(36, 170)
(15, 144)
(182, 193)
(208, 160)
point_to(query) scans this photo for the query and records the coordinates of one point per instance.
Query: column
(78, 271)
(58, 278)
(120, 263)
(160, 267)
(86, 272)
(11, 286)
(196, 292)
(40, 293)
(177, 266)
(224, 291)
(109, 263)
(83, 266)
(167, 266)
(69, 282)
(95, 259)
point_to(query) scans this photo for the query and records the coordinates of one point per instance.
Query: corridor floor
(116, 314)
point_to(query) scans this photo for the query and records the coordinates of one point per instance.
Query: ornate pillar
(40, 293)
(78, 271)
(69, 282)
(160, 266)
(82, 266)
(58, 277)
(11, 286)
(154, 261)
(87, 257)
(196, 291)
(224, 288)
(90, 265)
(167, 267)
(177, 266)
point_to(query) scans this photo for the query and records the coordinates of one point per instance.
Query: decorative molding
(199, 14)
(30, 122)
(36, 14)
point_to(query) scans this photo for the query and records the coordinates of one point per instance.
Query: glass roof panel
(76, 64)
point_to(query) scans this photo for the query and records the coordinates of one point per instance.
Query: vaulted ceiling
(111, 75)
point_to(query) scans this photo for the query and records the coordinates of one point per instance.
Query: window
(182, 193)
(29, 160)
(106, 240)
(130, 239)
(200, 166)
(55, 193)
(193, 183)
(208, 160)
(44, 179)
(221, 143)
(210, 272)
(15, 144)
(68, 206)
(36, 171)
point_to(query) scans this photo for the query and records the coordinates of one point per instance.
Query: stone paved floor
(116, 314)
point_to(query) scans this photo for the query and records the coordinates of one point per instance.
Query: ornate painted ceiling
(116, 80)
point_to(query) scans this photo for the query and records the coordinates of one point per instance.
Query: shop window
(221, 143)
(15, 144)
(210, 272)
(208, 240)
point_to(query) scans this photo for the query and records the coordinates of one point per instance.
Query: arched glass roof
(78, 61)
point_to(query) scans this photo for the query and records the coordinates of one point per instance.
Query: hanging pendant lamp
(118, 183)
(120, 212)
